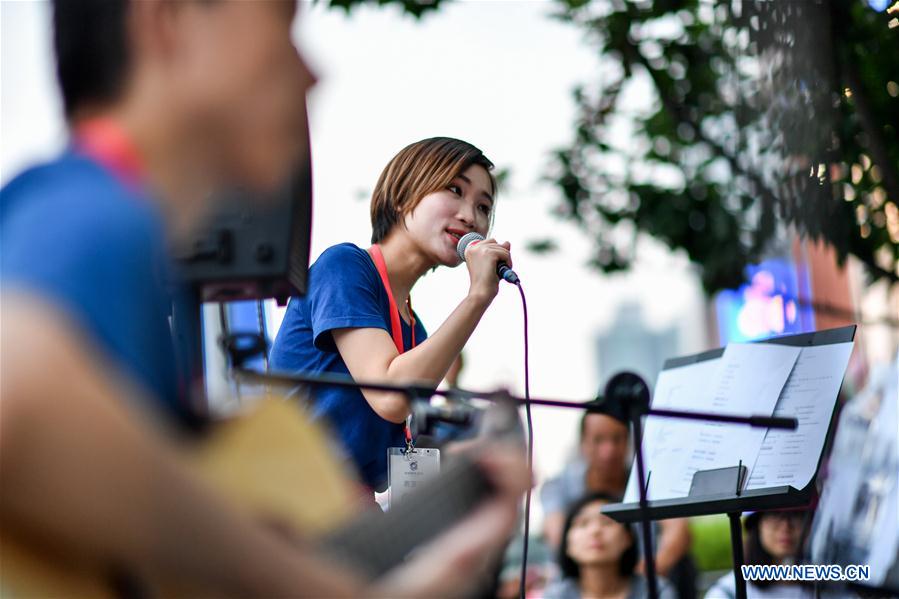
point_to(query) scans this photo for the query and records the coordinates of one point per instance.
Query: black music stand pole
(631, 393)
(736, 547)
(649, 556)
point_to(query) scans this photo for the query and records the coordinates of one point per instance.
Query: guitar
(276, 464)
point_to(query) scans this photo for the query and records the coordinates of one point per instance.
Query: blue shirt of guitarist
(345, 291)
(76, 234)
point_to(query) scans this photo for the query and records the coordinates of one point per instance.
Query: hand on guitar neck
(452, 559)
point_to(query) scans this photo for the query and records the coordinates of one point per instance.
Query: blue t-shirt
(76, 235)
(345, 291)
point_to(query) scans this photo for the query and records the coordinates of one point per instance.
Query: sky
(496, 74)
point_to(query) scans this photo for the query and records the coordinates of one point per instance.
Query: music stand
(718, 491)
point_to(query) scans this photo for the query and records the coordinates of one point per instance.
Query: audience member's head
(590, 539)
(773, 537)
(604, 438)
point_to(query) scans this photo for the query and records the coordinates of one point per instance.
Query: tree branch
(878, 149)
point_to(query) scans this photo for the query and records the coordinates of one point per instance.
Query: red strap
(395, 326)
(104, 140)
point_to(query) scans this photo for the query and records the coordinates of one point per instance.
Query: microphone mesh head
(464, 242)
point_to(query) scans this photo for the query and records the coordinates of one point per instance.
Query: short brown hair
(418, 169)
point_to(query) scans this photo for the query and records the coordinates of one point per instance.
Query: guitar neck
(373, 543)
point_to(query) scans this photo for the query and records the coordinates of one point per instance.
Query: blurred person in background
(166, 101)
(603, 467)
(598, 556)
(773, 538)
(455, 371)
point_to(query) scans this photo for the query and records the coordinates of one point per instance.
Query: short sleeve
(560, 492)
(552, 496)
(344, 292)
(96, 261)
(78, 239)
(73, 236)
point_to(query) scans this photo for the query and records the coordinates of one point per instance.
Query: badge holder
(408, 468)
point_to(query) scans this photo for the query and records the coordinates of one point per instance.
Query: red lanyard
(104, 140)
(395, 326)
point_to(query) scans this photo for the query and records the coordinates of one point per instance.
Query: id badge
(409, 469)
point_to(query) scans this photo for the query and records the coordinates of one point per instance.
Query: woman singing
(357, 317)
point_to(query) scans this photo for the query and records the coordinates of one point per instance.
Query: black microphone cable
(507, 274)
(530, 448)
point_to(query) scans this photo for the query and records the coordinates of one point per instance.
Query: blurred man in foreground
(167, 101)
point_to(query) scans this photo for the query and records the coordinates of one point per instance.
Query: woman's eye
(485, 209)
(455, 189)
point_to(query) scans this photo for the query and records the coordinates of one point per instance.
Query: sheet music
(791, 457)
(746, 380)
(663, 447)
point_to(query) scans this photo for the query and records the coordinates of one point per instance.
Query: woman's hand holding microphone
(483, 258)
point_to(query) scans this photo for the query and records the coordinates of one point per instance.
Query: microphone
(626, 393)
(502, 269)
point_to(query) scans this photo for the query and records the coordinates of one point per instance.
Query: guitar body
(29, 569)
(272, 462)
(276, 463)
